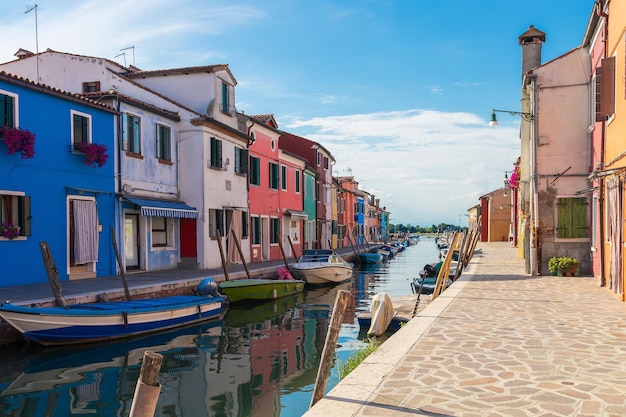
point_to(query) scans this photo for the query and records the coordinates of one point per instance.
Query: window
(255, 171)
(225, 104)
(244, 225)
(132, 133)
(91, 87)
(283, 177)
(273, 176)
(216, 223)
(318, 157)
(572, 218)
(81, 128)
(8, 109)
(255, 226)
(274, 230)
(162, 231)
(14, 212)
(241, 161)
(163, 142)
(297, 182)
(216, 153)
(325, 162)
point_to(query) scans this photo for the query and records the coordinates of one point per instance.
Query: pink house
(291, 199)
(264, 189)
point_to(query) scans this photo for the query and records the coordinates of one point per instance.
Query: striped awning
(164, 208)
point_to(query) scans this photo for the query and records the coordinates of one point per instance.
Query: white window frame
(16, 106)
(89, 129)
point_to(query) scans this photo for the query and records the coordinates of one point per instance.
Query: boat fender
(208, 287)
(334, 259)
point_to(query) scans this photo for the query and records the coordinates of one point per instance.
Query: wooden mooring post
(326, 361)
(53, 274)
(224, 263)
(148, 388)
(120, 264)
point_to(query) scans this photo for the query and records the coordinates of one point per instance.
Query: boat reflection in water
(260, 360)
(238, 366)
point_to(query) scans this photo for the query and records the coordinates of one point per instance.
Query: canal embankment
(497, 342)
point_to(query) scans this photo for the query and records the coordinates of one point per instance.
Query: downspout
(534, 261)
(601, 196)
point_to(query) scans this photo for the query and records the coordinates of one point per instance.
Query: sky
(399, 91)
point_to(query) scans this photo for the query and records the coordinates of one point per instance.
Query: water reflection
(260, 360)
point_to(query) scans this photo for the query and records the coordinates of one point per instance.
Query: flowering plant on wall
(514, 181)
(95, 154)
(10, 231)
(18, 140)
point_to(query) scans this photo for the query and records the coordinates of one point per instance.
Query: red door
(188, 248)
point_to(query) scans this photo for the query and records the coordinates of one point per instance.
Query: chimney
(531, 42)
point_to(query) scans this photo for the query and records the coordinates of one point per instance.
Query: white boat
(322, 266)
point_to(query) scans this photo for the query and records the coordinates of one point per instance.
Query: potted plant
(563, 266)
(18, 140)
(95, 154)
(10, 231)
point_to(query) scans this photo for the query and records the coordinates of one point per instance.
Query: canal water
(259, 360)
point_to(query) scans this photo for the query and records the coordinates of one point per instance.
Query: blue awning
(163, 208)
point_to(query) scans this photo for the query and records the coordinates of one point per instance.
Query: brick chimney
(531, 42)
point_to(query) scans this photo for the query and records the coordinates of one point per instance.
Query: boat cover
(382, 314)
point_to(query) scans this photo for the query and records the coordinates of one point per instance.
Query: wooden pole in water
(148, 388)
(219, 243)
(293, 250)
(245, 265)
(119, 262)
(326, 361)
(356, 255)
(282, 251)
(53, 274)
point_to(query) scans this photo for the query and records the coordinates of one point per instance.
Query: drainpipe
(534, 261)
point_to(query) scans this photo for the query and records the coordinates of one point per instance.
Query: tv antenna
(122, 54)
(30, 9)
(127, 48)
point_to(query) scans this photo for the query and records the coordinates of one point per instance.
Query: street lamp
(529, 117)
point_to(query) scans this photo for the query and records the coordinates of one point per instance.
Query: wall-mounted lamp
(502, 206)
(526, 116)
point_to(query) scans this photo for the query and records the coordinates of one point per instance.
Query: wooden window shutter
(607, 106)
(563, 218)
(24, 209)
(579, 218)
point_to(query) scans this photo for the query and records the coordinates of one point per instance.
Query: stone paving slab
(497, 343)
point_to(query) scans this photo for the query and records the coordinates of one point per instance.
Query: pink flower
(18, 140)
(515, 176)
(95, 154)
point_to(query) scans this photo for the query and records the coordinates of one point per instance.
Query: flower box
(18, 140)
(95, 154)
(10, 231)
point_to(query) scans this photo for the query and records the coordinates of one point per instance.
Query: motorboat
(322, 266)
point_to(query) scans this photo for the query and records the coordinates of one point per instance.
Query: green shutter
(7, 111)
(579, 218)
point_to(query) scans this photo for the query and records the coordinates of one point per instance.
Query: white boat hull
(323, 274)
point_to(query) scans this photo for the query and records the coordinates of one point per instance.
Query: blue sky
(400, 92)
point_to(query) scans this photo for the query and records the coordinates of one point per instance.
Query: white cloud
(428, 166)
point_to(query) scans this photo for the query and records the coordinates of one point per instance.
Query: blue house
(64, 192)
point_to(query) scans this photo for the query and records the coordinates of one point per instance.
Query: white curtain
(614, 214)
(235, 225)
(85, 231)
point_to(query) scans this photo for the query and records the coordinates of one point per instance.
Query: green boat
(254, 289)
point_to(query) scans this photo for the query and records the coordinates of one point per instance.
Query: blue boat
(97, 322)
(371, 257)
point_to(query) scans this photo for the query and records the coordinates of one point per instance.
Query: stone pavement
(497, 343)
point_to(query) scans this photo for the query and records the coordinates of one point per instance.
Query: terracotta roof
(267, 119)
(54, 91)
(128, 99)
(180, 71)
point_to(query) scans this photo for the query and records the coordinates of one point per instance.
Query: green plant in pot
(563, 265)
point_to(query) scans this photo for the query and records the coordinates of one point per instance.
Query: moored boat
(372, 257)
(254, 289)
(85, 323)
(322, 266)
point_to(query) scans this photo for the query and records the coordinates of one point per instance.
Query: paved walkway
(497, 343)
